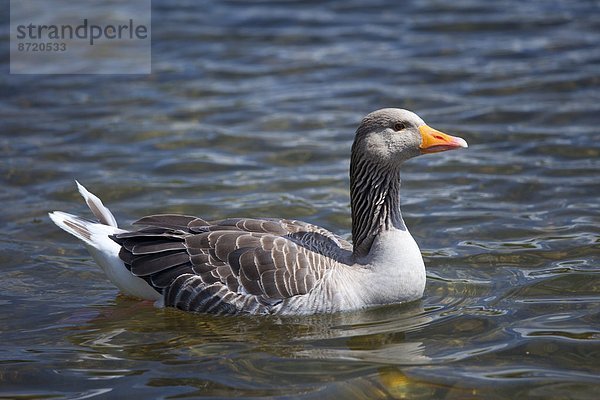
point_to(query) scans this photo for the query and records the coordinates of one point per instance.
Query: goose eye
(399, 126)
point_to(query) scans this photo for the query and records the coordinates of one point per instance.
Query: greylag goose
(278, 266)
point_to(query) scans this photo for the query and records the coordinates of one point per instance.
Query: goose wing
(240, 265)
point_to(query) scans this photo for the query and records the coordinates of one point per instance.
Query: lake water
(251, 111)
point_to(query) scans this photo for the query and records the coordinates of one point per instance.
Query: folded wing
(230, 266)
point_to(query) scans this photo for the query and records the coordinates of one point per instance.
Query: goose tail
(96, 238)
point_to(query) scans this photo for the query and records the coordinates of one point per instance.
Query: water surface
(250, 111)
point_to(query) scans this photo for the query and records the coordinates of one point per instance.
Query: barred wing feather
(238, 265)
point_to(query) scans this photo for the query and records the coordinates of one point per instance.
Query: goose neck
(375, 203)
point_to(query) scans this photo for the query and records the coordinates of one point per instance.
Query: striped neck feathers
(374, 200)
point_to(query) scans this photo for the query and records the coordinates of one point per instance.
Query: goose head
(391, 136)
(384, 140)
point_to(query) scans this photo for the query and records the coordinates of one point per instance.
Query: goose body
(278, 266)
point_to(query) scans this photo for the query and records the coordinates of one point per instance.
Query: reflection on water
(250, 111)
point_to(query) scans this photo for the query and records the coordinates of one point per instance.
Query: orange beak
(436, 141)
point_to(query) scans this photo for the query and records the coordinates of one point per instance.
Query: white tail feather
(95, 204)
(74, 225)
(102, 248)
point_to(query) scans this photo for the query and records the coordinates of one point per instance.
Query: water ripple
(251, 110)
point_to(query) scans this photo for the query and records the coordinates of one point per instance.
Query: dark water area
(250, 111)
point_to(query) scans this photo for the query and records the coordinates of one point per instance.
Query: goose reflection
(376, 334)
